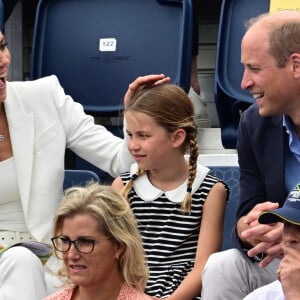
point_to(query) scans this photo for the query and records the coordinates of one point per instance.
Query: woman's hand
(147, 80)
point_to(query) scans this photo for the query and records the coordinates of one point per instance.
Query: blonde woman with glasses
(96, 236)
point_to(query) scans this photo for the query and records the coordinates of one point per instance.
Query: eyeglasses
(82, 245)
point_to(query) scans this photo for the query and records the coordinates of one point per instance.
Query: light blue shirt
(292, 156)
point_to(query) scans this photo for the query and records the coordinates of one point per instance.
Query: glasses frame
(74, 242)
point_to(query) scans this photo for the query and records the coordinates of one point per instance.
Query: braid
(128, 186)
(194, 151)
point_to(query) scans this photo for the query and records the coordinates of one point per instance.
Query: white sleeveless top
(11, 212)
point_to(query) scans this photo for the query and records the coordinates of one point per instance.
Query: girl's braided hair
(172, 109)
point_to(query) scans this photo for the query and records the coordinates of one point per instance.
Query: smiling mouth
(257, 95)
(2, 80)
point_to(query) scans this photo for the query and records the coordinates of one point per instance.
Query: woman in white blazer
(38, 121)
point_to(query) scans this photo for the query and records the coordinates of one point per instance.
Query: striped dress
(169, 236)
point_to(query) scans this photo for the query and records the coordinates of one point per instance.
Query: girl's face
(92, 269)
(149, 143)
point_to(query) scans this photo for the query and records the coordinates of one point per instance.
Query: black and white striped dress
(169, 236)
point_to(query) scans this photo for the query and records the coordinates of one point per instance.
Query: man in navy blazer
(268, 153)
(261, 156)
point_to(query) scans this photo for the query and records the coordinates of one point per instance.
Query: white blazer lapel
(21, 128)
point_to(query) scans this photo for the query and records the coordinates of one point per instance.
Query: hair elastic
(134, 177)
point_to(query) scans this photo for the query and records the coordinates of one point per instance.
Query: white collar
(148, 192)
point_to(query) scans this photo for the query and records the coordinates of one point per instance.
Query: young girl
(178, 205)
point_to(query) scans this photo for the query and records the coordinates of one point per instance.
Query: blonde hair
(172, 109)
(115, 219)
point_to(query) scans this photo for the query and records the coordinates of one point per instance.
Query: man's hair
(284, 32)
(284, 41)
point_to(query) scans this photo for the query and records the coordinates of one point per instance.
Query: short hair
(115, 220)
(284, 32)
(171, 108)
(284, 41)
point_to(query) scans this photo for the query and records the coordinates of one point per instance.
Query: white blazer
(43, 121)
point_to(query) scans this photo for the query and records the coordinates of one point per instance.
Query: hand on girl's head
(141, 81)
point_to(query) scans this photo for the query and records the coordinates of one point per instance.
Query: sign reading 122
(107, 44)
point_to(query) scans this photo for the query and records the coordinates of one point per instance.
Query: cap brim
(282, 214)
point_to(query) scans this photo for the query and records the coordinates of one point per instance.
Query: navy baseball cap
(289, 212)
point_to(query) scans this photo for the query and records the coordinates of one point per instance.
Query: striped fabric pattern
(169, 236)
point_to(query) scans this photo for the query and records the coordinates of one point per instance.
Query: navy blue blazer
(261, 152)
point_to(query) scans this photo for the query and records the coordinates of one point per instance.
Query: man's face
(291, 236)
(273, 88)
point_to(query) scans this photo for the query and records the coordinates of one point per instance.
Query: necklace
(2, 137)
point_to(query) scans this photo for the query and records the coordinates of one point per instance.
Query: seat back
(79, 178)
(2, 16)
(231, 176)
(96, 48)
(230, 99)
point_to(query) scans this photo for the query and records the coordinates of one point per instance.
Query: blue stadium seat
(79, 178)
(96, 48)
(231, 176)
(1, 16)
(230, 99)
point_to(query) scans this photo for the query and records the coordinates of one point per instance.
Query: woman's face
(4, 64)
(92, 269)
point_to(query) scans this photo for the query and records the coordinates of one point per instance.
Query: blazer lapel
(21, 128)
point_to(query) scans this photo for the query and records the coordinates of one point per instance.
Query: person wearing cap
(268, 149)
(287, 286)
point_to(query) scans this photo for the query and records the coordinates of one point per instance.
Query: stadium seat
(79, 178)
(230, 99)
(96, 48)
(1, 16)
(230, 175)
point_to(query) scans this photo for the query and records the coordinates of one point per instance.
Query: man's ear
(178, 137)
(295, 59)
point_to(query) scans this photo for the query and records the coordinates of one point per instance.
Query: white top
(11, 212)
(271, 291)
